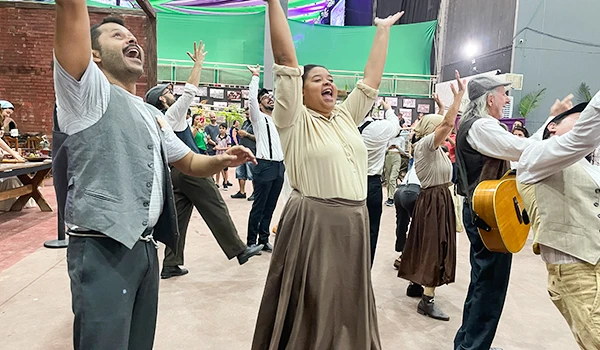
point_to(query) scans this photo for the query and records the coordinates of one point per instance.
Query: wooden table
(30, 183)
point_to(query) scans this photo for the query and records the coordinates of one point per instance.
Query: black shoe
(427, 307)
(248, 253)
(256, 245)
(238, 195)
(172, 271)
(414, 290)
(251, 198)
(389, 202)
(267, 247)
(229, 184)
(224, 186)
(218, 186)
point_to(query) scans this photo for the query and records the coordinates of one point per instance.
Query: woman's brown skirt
(318, 294)
(429, 257)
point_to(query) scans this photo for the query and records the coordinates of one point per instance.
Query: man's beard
(113, 63)
(268, 108)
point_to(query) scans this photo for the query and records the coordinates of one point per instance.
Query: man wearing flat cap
(483, 149)
(192, 191)
(561, 192)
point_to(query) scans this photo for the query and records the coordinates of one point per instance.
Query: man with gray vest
(483, 148)
(561, 191)
(190, 191)
(112, 179)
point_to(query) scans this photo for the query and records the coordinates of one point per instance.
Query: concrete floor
(214, 307)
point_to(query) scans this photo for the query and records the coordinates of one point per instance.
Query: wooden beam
(15, 192)
(151, 52)
(148, 9)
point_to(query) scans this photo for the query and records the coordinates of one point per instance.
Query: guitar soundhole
(518, 210)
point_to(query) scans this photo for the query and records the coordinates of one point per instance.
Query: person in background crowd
(318, 293)
(114, 212)
(396, 163)
(451, 147)
(404, 200)
(517, 124)
(188, 118)
(376, 135)
(430, 256)
(189, 191)
(560, 190)
(10, 182)
(6, 122)
(520, 131)
(234, 133)
(416, 122)
(212, 131)
(223, 144)
(198, 132)
(268, 173)
(244, 172)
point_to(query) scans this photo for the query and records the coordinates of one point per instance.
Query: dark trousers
(404, 200)
(202, 193)
(375, 208)
(267, 182)
(490, 274)
(115, 293)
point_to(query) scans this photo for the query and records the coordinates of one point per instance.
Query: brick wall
(26, 76)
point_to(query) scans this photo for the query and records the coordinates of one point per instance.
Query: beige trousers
(395, 168)
(575, 290)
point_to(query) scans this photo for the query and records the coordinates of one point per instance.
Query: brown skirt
(318, 294)
(429, 257)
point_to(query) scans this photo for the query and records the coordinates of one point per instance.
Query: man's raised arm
(72, 40)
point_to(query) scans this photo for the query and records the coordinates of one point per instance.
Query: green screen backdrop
(240, 39)
(228, 39)
(347, 48)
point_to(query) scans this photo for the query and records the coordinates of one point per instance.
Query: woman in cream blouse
(318, 293)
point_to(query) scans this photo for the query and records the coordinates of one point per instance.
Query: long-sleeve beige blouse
(324, 157)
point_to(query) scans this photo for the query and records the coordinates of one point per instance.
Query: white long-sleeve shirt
(263, 126)
(487, 137)
(542, 159)
(376, 137)
(177, 113)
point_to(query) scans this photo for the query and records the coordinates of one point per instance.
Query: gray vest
(105, 175)
(568, 213)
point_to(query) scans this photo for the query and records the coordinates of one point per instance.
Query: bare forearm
(445, 127)
(282, 44)
(194, 78)
(377, 57)
(7, 148)
(199, 165)
(441, 107)
(251, 137)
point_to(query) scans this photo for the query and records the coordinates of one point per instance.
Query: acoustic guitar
(502, 222)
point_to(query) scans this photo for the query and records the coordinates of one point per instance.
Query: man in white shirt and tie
(376, 134)
(268, 174)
